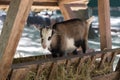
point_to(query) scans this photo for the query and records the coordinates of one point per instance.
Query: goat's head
(46, 35)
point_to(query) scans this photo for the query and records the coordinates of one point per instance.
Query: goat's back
(74, 28)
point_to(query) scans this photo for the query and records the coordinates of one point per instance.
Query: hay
(70, 72)
(31, 75)
(44, 74)
(106, 68)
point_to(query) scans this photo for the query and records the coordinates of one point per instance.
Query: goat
(65, 37)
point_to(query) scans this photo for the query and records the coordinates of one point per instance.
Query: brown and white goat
(65, 37)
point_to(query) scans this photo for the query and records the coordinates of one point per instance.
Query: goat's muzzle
(44, 46)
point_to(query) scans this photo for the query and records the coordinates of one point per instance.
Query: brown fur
(74, 30)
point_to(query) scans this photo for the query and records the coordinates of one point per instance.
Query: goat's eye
(41, 35)
(41, 40)
(49, 38)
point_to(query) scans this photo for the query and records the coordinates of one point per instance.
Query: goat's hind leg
(83, 46)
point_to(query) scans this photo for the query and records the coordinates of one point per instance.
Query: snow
(29, 43)
(115, 24)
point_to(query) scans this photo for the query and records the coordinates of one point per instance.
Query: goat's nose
(44, 46)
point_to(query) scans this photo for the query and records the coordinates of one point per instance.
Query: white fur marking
(46, 33)
(70, 45)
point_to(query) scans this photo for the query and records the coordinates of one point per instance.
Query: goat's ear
(38, 27)
(49, 27)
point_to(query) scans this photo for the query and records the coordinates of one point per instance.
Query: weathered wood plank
(113, 58)
(93, 58)
(53, 71)
(39, 71)
(110, 76)
(49, 0)
(42, 2)
(79, 66)
(11, 33)
(104, 21)
(19, 74)
(73, 1)
(66, 11)
(103, 58)
(23, 73)
(118, 66)
(31, 58)
(63, 59)
(67, 64)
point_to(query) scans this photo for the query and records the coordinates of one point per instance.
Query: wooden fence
(91, 66)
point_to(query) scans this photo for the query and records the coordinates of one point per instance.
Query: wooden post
(66, 11)
(11, 33)
(104, 21)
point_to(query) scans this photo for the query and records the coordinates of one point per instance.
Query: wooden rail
(77, 67)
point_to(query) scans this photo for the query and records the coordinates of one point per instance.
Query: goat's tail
(89, 21)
